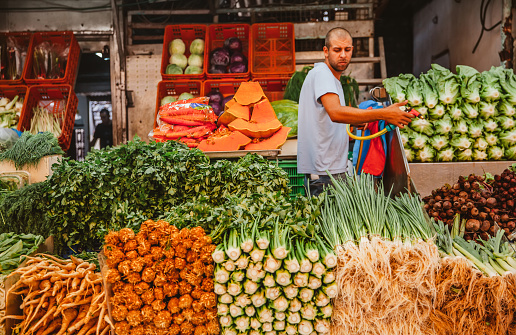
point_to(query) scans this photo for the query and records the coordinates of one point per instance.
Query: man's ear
(325, 49)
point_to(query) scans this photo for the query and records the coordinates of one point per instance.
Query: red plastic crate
(225, 86)
(23, 39)
(272, 49)
(52, 97)
(188, 33)
(61, 38)
(175, 88)
(217, 34)
(274, 88)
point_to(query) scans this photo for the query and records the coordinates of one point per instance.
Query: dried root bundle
(60, 297)
(162, 280)
(385, 288)
(470, 303)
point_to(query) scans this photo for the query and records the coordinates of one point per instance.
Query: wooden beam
(314, 30)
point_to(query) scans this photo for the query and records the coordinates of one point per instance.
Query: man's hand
(394, 115)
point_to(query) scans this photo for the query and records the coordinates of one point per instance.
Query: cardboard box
(13, 301)
(36, 173)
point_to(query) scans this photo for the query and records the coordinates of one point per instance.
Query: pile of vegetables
(485, 203)
(248, 122)
(29, 149)
(60, 296)
(267, 282)
(229, 58)
(293, 89)
(188, 121)
(218, 101)
(168, 174)
(162, 280)
(13, 247)
(178, 61)
(467, 116)
(10, 111)
(386, 271)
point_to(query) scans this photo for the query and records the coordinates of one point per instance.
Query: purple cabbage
(238, 67)
(219, 56)
(217, 69)
(233, 44)
(215, 97)
(217, 108)
(237, 57)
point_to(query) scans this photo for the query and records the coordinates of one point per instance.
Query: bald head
(336, 33)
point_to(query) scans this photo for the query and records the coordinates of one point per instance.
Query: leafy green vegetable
(13, 247)
(29, 149)
(286, 111)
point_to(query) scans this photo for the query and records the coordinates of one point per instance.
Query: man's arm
(355, 116)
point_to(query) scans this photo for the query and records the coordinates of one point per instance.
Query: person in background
(103, 131)
(323, 143)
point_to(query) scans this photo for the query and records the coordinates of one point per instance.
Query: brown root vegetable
(511, 225)
(491, 202)
(472, 225)
(485, 226)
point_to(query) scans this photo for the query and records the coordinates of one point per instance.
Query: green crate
(296, 180)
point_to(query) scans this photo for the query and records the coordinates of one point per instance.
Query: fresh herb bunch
(29, 149)
(125, 185)
(24, 211)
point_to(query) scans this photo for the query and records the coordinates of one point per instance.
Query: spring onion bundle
(267, 283)
(386, 271)
(43, 120)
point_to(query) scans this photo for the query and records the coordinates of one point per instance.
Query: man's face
(104, 117)
(339, 53)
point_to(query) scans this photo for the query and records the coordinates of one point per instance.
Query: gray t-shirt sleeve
(324, 83)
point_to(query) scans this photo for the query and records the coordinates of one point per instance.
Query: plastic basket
(274, 87)
(23, 40)
(62, 40)
(187, 33)
(272, 49)
(52, 98)
(225, 86)
(296, 180)
(217, 34)
(175, 88)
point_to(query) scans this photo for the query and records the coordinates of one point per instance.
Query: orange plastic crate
(22, 39)
(217, 34)
(188, 33)
(273, 87)
(53, 98)
(175, 88)
(272, 49)
(64, 39)
(225, 86)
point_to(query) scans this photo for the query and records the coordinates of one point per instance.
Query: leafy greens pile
(467, 116)
(125, 185)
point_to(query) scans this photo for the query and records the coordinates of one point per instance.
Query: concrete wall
(457, 30)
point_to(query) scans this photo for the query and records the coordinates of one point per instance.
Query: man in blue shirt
(323, 142)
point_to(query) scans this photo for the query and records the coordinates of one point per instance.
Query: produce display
(248, 122)
(266, 282)
(188, 121)
(229, 58)
(49, 60)
(485, 204)
(169, 98)
(179, 63)
(13, 247)
(467, 116)
(218, 101)
(29, 149)
(60, 296)
(162, 280)
(10, 111)
(14, 54)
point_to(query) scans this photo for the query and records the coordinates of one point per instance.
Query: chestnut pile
(481, 201)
